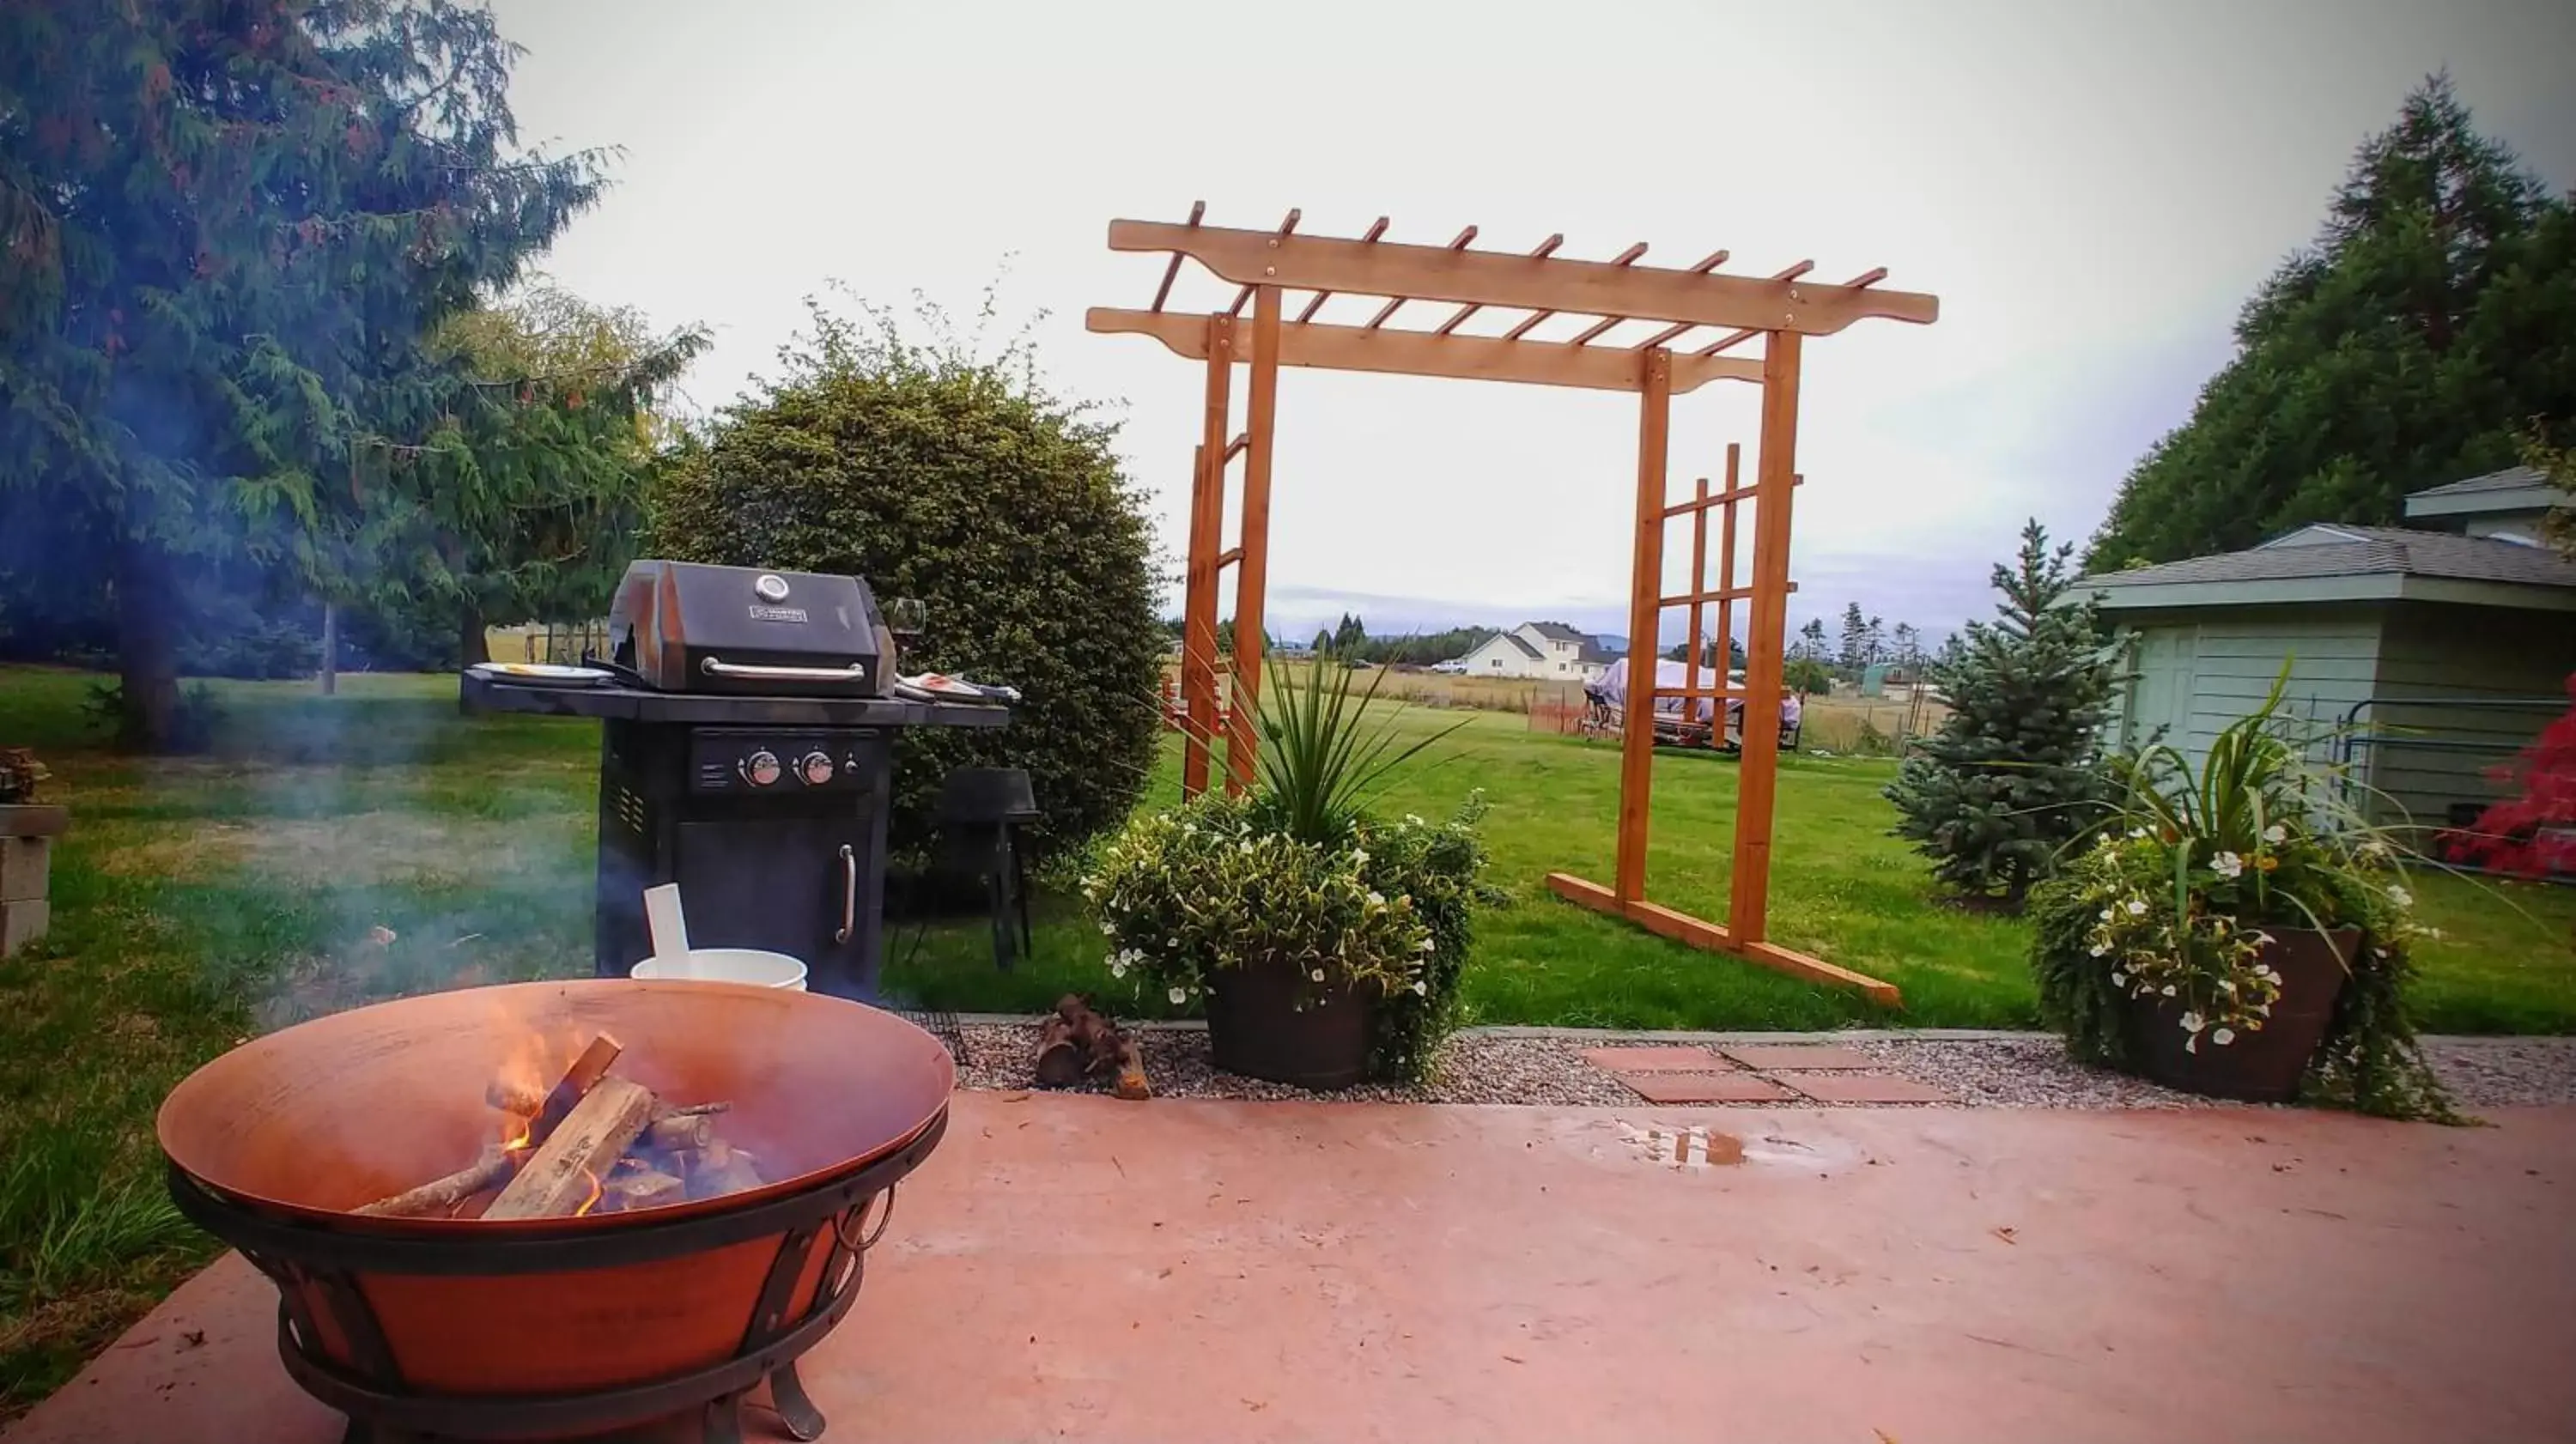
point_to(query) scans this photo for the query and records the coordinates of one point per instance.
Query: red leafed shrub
(2533, 832)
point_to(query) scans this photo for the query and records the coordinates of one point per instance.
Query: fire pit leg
(724, 1420)
(795, 1407)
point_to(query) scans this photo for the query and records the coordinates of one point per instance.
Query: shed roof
(2514, 489)
(2334, 562)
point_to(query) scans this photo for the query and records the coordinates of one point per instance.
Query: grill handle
(718, 667)
(849, 892)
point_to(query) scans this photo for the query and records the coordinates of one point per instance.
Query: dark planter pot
(1269, 1021)
(2258, 1067)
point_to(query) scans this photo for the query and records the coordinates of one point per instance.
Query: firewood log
(1061, 1062)
(441, 1194)
(680, 1130)
(1131, 1072)
(567, 1169)
(719, 1169)
(577, 1082)
(633, 1188)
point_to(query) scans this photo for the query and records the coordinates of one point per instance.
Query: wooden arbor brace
(1596, 297)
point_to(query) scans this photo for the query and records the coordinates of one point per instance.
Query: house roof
(2516, 488)
(1557, 631)
(1517, 640)
(2334, 562)
(1602, 651)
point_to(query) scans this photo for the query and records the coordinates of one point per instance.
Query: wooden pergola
(1698, 317)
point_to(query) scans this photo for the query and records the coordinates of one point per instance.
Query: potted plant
(1323, 942)
(2237, 930)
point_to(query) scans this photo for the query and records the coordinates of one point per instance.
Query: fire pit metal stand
(382, 1410)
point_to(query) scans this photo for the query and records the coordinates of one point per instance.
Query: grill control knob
(815, 768)
(761, 768)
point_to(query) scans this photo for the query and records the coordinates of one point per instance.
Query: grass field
(198, 901)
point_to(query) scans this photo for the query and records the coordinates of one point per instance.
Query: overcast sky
(2091, 189)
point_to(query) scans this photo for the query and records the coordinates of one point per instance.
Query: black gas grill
(746, 754)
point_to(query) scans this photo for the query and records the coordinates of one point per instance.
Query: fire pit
(423, 1328)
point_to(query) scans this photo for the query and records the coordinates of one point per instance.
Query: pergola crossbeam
(1423, 353)
(1453, 273)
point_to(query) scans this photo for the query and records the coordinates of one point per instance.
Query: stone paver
(1769, 1056)
(1705, 1088)
(1081, 1269)
(1658, 1060)
(1864, 1088)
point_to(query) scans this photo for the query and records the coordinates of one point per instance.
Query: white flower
(1178, 994)
(1117, 967)
(1359, 857)
(2137, 832)
(2106, 915)
(2276, 834)
(1376, 899)
(2119, 979)
(1244, 846)
(2101, 950)
(1412, 821)
(2400, 896)
(2137, 909)
(2193, 1022)
(2191, 1044)
(2227, 864)
(1317, 974)
(1421, 988)
(2169, 990)
(2222, 1036)
(1107, 931)
(2227, 985)
(1423, 946)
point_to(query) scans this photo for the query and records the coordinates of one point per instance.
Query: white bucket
(752, 966)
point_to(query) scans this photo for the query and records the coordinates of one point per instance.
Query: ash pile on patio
(594, 1143)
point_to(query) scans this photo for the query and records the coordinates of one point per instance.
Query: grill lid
(690, 627)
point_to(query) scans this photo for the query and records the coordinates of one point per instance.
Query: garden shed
(2448, 641)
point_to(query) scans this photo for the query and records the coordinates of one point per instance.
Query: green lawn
(198, 901)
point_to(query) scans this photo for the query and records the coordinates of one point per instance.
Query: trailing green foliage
(2175, 894)
(962, 482)
(2009, 778)
(2431, 322)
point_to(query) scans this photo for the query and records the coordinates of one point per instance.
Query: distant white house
(1534, 651)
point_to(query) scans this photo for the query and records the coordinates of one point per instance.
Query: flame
(591, 1202)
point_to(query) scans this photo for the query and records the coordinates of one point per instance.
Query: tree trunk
(147, 648)
(472, 646)
(330, 649)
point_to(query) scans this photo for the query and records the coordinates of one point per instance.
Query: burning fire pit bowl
(466, 1328)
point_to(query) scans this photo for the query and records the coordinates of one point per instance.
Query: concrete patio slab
(1080, 1268)
(1864, 1088)
(1781, 1056)
(1658, 1060)
(1704, 1088)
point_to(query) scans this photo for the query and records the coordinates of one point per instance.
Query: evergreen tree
(1350, 635)
(1873, 643)
(1909, 649)
(231, 230)
(1811, 646)
(1323, 640)
(1855, 648)
(2009, 777)
(2432, 321)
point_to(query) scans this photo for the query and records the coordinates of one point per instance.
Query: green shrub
(961, 482)
(1187, 895)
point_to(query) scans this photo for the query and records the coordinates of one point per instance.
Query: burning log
(640, 1187)
(564, 1175)
(443, 1194)
(680, 1131)
(719, 1169)
(576, 1084)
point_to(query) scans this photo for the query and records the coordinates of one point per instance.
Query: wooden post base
(1712, 937)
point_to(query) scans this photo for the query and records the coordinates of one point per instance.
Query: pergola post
(1765, 639)
(1726, 579)
(1645, 592)
(1252, 575)
(1207, 527)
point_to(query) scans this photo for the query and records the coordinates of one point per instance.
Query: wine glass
(904, 617)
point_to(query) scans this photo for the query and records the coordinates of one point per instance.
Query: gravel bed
(2014, 1072)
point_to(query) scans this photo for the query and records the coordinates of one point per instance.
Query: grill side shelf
(482, 694)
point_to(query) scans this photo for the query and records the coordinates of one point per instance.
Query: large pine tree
(2008, 778)
(2432, 322)
(231, 229)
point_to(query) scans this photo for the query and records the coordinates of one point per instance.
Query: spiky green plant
(1324, 752)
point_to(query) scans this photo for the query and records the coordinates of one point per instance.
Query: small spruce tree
(2010, 775)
